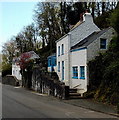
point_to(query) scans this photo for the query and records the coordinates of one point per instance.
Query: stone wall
(44, 82)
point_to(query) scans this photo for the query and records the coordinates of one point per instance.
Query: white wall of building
(16, 71)
(74, 36)
(79, 58)
(64, 58)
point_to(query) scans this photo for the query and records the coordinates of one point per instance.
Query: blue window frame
(58, 66)
(75, 72)
(62, 49)
(102, 43)
(49, 62)
(62, 70)
(58, 50)
(55, 61)
(82, 72)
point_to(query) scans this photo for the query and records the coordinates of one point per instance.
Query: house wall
(83, 30)
(50, 69)
(93, 49)
(73, 37)
(79, 58)
(64, 58)
(16, 71)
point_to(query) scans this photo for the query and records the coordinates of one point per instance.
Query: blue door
(62, 70)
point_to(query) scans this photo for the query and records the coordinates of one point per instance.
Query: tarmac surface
(93, 105)
(18, 102)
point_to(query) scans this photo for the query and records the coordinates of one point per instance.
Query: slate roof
(75, 26)
(27, 56)
(88, 40)
(53, 55)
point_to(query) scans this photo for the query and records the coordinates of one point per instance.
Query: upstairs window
(62, 49)
(58, 66)
(102, 43)
(49, 62)
(82, 72)
(58, 50)
(75, 72)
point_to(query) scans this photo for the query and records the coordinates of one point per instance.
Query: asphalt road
(21, 103)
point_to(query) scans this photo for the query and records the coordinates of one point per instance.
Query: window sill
(103, 48)
(82, 78)
(75, 77)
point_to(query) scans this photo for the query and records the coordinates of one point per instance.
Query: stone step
(75, 97)
(72, 90)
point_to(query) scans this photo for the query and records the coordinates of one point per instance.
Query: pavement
(93, 105)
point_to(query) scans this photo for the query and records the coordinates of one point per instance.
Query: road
(21, 103)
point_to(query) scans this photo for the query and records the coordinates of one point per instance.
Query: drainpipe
(69, 60)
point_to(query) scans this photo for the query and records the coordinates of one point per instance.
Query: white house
(31, 55)
(84, 41)
(16, 69)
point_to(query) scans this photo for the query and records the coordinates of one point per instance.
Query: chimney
(87, 16)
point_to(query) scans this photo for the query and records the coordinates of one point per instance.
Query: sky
(13, 17)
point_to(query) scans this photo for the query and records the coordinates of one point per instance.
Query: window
(102, 43)
(82, 72)
(58, 50)
(75, 72)
(62, 70)
(54, 61)
(58, 66)
(49, 62)
(13, 72)
(62, 49)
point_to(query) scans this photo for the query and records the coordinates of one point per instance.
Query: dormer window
(103, 43)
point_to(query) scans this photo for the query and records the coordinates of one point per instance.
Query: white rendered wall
(16, 71)
(64, 58)
(79, 58)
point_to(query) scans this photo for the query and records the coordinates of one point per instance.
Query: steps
(73, 94)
